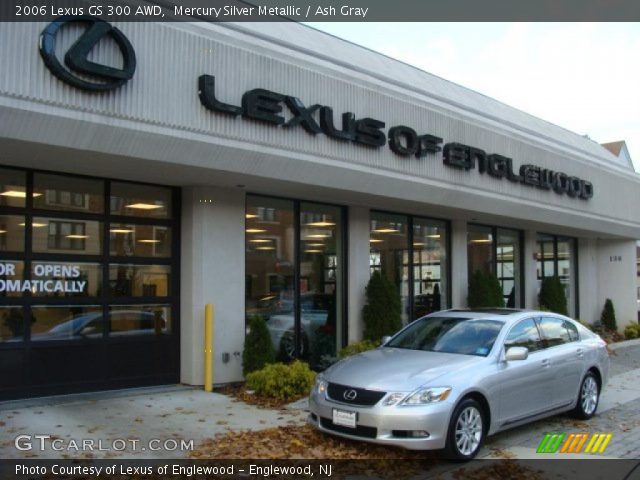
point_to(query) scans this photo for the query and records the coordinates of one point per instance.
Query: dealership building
(268, 169)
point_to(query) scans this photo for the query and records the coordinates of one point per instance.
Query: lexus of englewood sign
(267, 106)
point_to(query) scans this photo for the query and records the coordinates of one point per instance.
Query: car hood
(396, 369)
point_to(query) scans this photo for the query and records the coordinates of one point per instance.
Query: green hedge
(383, 308)
(282, 381)
(258, 349)
(552, 296)
(484, 291)
(608, 317)
(357, 347)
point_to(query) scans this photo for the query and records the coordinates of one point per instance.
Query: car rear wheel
(588, 398)
(466, 431)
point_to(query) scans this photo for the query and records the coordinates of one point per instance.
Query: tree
(383, 308)
(552, 296)
(258, 349)
(484, 291)
(608, 317)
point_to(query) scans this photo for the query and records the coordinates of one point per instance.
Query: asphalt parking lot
(162, 422)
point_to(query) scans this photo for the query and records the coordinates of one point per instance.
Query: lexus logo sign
(350, 395)
(81, 72)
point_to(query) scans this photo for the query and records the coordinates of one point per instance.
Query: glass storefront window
(508, 266)
(11, 324)
(480, 254)
(66, 322)
(67, 279)
(128, 240)
(13, 188)
(556, 256)
(320, 280)
(139, 320)
(139, 280)
(135, 200)
(497, 251)
(389, 252)
(270, 269)
(430, 267)
(11, 278)
(67, 235)
(61, 192)
(12, 233)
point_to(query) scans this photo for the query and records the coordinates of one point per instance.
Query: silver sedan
(449, 379)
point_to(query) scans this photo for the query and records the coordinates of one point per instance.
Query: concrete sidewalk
(179, 413)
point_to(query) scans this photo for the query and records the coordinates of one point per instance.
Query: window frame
(410, 256)
(495, 230)
(104, 259)
(535, 323)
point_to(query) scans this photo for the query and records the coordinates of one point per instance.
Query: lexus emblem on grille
(350, 395)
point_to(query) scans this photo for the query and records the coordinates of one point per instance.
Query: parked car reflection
(122, 322)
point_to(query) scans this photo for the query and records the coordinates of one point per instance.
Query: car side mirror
(385, 339)
(516, 353)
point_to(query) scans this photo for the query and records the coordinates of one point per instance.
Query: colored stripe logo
(559, 442)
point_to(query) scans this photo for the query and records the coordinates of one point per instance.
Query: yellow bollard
(208, 347)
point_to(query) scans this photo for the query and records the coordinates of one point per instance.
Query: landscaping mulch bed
(240, 392)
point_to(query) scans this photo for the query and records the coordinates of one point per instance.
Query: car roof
(508, 315)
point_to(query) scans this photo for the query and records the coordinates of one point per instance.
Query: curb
(627, 343)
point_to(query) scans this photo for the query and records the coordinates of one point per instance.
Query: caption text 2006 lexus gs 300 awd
(449, 379)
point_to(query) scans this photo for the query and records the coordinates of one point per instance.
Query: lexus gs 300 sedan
(451, 378)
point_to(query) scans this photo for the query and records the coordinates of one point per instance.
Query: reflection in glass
(139, 280)
(66, 279)
(13, 190)
(389, 252)
(11, 233)
(11, 324)
(508, 266)
(66, 322)
(61, 235)
(139, 320)
(139, 240)
(11, 277)
(61, 192)
(270, 267)
(429, 267)
(556, 256)
(480, 249)
(140, 200)
(320, 282)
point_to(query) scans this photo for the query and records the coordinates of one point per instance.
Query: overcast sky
(581, 76)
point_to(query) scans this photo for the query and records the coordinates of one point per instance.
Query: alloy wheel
(589, 395)
(468, 433)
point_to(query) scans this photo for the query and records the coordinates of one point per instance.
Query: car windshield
(465, 336)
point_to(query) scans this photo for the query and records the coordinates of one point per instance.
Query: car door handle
(580, 352)
(545, 362)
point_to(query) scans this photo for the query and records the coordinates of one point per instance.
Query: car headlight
(321, 385)
(393, 398)
(425, 396)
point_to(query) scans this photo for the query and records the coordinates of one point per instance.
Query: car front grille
(363, 397)
(358, 431)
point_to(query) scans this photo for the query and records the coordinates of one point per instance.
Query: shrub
(608, 317)
(484, 290)
(357, 347)
(632, 331)
(552, 296)
(382, 310)
(282, 381)
(258, 349)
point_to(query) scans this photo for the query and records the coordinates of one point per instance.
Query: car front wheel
(588, 398)
(466, 431)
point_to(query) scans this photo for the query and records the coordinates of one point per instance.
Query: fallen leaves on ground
(296, 442)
